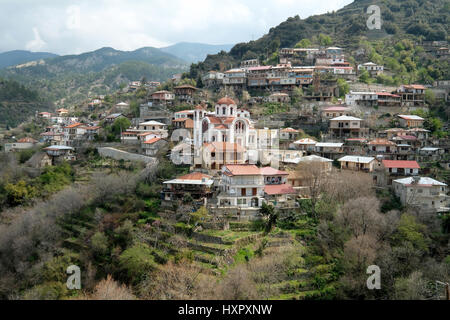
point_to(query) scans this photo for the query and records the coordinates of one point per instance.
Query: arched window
(224, 111)
(231, 110)
(217, 110)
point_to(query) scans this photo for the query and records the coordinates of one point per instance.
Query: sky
(76, 26)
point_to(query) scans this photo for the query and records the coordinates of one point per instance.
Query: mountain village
(239, 159)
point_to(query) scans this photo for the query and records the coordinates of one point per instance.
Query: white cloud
(37, 43)
(69, 26)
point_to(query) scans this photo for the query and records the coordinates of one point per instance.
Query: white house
(361, 98)
(357, 163)
(241, 186)
(427, 194)
(372, 68)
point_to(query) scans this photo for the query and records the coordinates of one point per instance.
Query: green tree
(364, 76)
(430, 97)
(324, 40)
(409, 231)
(137, 261)
(199, 215)
(268, 211)
(19, 193)
(343, 86)
(304, 43)
(120, 125)
(99, 243)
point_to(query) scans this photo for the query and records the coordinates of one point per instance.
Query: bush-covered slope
(414, 19)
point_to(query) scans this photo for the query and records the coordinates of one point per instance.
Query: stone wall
(123, 155)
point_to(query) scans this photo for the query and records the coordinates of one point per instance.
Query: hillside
(195, 52)
(17, 103)
(16, 57)
(70, 79)
(414, 19)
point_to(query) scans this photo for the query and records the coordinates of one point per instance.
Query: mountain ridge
(194, 52)
(17, 57)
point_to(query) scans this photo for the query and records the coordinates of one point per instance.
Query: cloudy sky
(75, 26)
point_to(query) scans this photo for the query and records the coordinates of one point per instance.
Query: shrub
(137, 261)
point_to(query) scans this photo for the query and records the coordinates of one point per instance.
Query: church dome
(226, 101)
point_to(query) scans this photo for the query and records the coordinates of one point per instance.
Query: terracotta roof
(229, 120)
(381, 142)
(277, 189)
(184, 111)
(227, 101)
(62, 110)
(415, 86)
(388, 94)
(269, 171)
(73, 125)
(289, 130)
(214, 120)
(152, 141)
(194, 176)
(92, 128)
(400, 164)
(305, 141)
(27, 140)
(336, 108)
(241, 170)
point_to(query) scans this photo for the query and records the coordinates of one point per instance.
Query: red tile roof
(27, 140)
(336, 108)
(242, 170)
(381, 142)
(415, 86)
(152, 141)
(277, 189)
(400, 164)
(227, 101)
(194, 176)
(289, 130)
(73, 125)
(269, 171)
(388, 94)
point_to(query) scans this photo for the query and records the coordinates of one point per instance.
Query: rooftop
(410, 117)
(241, 170)
(277, 189)
(400, 164)
(346, 118)
(356, 159)
(421, 181)
(269, 171)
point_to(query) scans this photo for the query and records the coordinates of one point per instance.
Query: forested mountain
(12, 58)
(414, 19)
(69, 79)
(17, 103)
(195, 52)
